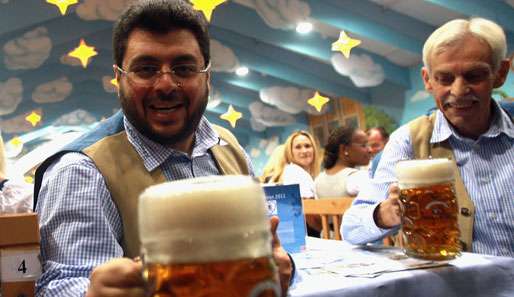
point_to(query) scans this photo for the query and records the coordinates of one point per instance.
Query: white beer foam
(411, 173)
(212, 218)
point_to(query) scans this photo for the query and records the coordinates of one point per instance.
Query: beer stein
(207, 237)
(429, 227)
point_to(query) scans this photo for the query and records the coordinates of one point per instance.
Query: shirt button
(492, 216)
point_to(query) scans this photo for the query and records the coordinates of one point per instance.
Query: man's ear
(501, 73)
(425, 75)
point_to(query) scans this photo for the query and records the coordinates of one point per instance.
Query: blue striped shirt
(486, 168)
(79, 222)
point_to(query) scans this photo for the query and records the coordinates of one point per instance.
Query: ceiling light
(242, 71)
(304, 27)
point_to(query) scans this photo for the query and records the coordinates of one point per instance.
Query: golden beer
(430, 229)
(207, 237)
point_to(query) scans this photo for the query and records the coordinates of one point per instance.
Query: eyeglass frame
(160, 73)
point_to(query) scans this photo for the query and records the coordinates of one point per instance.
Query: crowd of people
(86, 194)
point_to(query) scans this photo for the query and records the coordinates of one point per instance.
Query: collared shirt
(80, 225)
(487, 170)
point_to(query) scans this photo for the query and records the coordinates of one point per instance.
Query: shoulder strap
(230, 158)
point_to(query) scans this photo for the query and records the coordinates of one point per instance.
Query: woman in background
(15, 195)
(300, 165)
(347, 148)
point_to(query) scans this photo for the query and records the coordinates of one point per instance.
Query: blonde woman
(300, 165)
(15, 195)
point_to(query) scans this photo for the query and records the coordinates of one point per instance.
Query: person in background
(15, 194)
(464, 60)
(300, 165)
(377, 139)
(87, 194)
(346, 149)
(273, 165)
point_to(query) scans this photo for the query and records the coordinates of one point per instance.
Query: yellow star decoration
(29, 179)
(345, 44)
(206, 6)
(33, 118)
(231, 116)
(114, 82)
(16, 142)
(83, 52)
(62, 4)
(318, 101)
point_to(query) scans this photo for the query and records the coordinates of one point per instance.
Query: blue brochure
(285, 202)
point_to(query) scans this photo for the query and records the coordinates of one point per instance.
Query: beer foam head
(424, 172)
(204, 219)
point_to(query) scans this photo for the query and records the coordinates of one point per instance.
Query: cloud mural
(108, 86)
(18, 124)
(222, 57)
(67, 60)
(256, 125)
(108, 10)
(53, 91)
(269, 145)
(11, 95)
(76, 117)
(360, 69)
(289, 99)
(28, 51)
(269, 116)
(420, 95)
(282, 14)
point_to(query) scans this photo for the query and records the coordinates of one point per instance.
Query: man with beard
(87, 194)
(464, 60)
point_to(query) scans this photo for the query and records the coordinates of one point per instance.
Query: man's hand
(285, 268)
(119, 277)
(389, 213)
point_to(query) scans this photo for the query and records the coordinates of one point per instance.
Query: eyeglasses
(149, 75)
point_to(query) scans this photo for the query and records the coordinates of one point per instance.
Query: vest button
(465, 212)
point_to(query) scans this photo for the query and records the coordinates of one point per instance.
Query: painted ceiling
(286, 68)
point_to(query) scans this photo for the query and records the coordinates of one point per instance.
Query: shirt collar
(501, 123)
(154, 154)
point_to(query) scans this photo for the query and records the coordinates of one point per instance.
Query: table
(322, 273)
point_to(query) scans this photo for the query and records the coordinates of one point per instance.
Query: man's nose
(167, 82)
(459, 87)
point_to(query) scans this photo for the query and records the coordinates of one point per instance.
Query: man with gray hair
(464, 60)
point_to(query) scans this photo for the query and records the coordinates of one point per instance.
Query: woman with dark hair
(346, 149)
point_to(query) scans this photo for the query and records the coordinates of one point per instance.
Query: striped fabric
(80, 225)
(487, 169)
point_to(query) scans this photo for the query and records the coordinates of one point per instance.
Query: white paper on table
(345, 260)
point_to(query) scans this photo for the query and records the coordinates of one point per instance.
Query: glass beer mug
(429, 228)
(207, 237)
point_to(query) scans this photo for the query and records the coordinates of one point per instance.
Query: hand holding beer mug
(207, 237)
(430, 229)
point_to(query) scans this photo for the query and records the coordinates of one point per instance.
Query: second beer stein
(429, 228)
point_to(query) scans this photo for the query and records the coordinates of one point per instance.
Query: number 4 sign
(19, 264)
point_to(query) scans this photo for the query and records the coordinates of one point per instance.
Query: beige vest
(126, 176)
(420, 133)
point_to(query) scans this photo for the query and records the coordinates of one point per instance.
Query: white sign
(20, 265)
